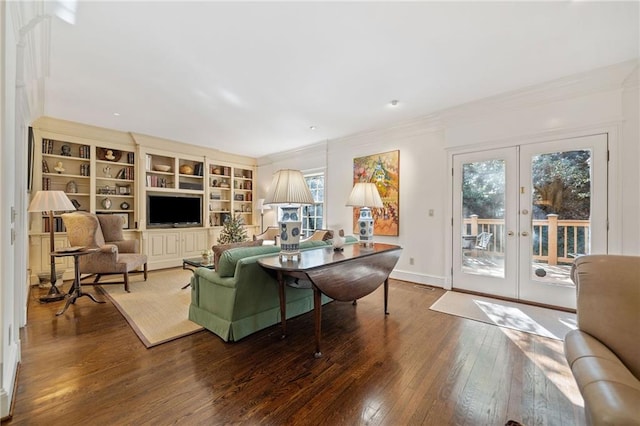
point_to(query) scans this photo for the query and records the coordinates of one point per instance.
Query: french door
(522, 214)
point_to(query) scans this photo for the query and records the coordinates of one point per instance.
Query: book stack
(125, 173)
(84, 152)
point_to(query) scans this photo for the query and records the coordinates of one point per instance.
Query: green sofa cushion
(228, 260)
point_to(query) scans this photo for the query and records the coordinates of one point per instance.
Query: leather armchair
(604, 352)
(116, 255)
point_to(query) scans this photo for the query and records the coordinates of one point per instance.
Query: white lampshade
(364, 194)
(288, 187)
(50, 201)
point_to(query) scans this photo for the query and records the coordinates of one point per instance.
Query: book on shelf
(125, 173)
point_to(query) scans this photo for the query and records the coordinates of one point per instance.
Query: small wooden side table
(76, 288)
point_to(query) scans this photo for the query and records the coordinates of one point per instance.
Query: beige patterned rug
(156, 309)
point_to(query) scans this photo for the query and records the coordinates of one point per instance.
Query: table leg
(317, 313)
(283, 304)
(76, 288)
(386, 296)
(184, 266)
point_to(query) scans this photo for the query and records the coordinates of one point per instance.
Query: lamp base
(365, 227)
(54, 295)
(286, 255)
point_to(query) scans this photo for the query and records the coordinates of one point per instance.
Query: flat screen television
(168, 211)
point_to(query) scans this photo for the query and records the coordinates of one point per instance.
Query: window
(312, 215)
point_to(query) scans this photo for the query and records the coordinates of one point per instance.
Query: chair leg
(126, 282)
(145, 271)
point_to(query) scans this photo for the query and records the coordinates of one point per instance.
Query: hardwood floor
(413, 367)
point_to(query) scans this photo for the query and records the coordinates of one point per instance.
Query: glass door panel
(484, 208)
(483, 204)
(564, 189)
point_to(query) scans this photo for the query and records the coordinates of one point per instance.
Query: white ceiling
(251, 78)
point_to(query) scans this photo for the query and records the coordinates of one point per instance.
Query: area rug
(518, 316)
(156, 309)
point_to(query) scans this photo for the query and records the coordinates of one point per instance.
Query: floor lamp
(262, 207)
(51, 201)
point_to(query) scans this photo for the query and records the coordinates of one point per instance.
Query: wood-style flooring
(413, 367)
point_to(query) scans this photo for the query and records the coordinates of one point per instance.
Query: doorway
(522, 214)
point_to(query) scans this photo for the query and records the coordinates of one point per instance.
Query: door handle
(524, 233)
(510, 233)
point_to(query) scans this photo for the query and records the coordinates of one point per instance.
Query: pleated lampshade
(288, 187)
(50, 201)
(364, 194)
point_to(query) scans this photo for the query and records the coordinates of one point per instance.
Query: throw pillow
(221, 248)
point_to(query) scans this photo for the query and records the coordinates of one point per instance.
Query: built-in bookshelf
(66, 166)
(115, 184)
(230, 193)
(99, 179)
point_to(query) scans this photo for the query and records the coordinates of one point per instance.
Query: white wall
(593, 102)
(23, 42)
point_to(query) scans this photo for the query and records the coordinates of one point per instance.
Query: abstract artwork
(383, 170)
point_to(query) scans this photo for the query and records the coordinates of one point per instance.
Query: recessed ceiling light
(117, 114)
(394, 102)
(312, 127)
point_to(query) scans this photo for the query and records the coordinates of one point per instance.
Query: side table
(76, 288)
(195, 262)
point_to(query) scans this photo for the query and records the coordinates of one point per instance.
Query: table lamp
(365, 195)
(51, 201)
(289, 187)
(262, 207)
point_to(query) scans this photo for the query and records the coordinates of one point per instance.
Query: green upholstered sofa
(240, 297)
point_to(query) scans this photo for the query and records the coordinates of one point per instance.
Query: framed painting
(384, 170)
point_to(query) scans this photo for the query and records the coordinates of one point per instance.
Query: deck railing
(553, 240)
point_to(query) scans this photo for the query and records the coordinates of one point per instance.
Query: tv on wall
(167, 211)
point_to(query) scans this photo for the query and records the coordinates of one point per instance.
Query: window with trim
(313, 215)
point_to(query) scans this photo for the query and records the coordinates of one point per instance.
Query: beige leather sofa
(604, 352)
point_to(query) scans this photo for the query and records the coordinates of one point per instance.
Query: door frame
(614, 200)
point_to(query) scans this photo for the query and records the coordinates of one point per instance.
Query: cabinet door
(165, 245)
(193, 242)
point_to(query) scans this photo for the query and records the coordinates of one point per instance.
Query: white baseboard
(418, 278)
(12, 358)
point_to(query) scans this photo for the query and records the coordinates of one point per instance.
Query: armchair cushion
(111, 227)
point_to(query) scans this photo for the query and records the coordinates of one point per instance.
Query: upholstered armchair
(319, 235)
(270, 234)
(116, 255)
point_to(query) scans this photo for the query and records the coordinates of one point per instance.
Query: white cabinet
(166, 248)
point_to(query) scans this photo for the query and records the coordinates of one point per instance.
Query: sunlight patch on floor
(506, 316)
(554, 368)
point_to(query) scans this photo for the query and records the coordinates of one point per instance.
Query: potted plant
(233, 231)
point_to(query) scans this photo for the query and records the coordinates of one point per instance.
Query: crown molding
(608, 78)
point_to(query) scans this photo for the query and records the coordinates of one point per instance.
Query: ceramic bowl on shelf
(162, 168)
